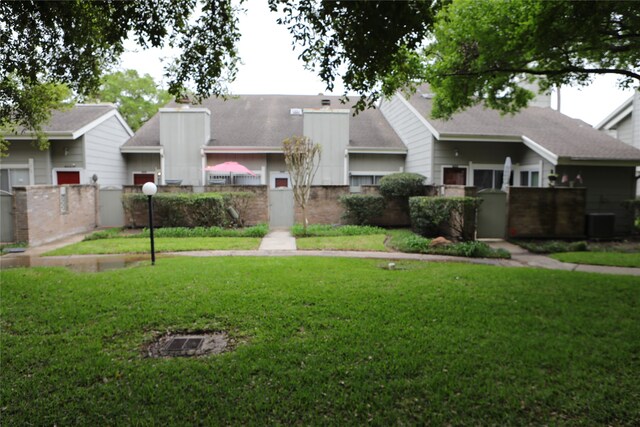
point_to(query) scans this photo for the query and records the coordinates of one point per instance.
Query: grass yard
(321, 341)
(122, 245)
(616, 259)
(374, 242)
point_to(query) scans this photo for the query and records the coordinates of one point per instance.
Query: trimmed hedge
(403, 184)
(360, 209)
(180, 209)
(444, 216)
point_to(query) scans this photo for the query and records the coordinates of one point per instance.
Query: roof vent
(325, 102)
(295, 111)
(426, 95)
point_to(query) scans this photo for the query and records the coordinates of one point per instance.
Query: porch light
(150, 189)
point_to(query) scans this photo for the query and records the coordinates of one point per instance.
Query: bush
(406, 241)
(552, 246)
(181, 209)
(444, 216)
(360, 209)
(403, 184)
(256, 231)
(332, 230)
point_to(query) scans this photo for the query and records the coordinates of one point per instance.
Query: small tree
(302, 157)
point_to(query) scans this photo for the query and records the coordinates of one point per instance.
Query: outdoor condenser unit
(600, 225)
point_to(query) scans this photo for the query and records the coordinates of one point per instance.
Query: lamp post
(150, 189)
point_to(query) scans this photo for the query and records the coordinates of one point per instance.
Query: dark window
(282, 182)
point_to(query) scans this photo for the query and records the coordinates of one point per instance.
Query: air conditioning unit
(600, 225)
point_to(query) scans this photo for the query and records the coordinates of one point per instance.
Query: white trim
(142, 149)
(346, 165)
(413, 110)
(371, 173)
(32, 172)
(203, 165)
(14, 165)
(242, 150)
(185, 110)
(162, 174)
(539, 149)
(617, 115)
(517, 169)
(375, 150)
(54, 174)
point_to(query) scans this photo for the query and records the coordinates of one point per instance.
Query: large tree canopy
(476, 52)
(138, 98)
(73, 42)
(483, 49)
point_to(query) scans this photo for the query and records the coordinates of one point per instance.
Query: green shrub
(402, 184)
(181, 209)
(259, 230)
(103, 234)
(406, 241)
(444, 216)
(360, 209)
(323, 230)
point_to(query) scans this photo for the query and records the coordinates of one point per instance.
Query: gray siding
(147, 163)
(530, 157)
(182, 134)
(330, 129)
(376, 162)
(21, 151)
(624, 130)
(103, 156)
(413, 133)
(491, 153)
(67, 154)
(275, 163)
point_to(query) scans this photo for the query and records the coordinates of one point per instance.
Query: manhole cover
(188, 345)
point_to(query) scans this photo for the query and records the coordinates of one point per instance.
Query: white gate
(111, 210)
(6, 217)
(281, 208)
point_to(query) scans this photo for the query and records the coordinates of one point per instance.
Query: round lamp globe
(149, 189)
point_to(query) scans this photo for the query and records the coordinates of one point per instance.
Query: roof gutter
(376, 150)
(543, 152)
(244, 150)
(142, 150)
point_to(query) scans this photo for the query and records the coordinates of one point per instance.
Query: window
(356, 181)
(13, 178)
(529, 178)
(282, 183)
(489, 178)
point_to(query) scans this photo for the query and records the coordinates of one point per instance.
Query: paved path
(281, 243)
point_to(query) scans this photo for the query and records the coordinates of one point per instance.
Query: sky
(271, 66)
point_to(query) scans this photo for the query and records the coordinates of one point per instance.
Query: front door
(143, 178)
(68, 177)
(454, 176)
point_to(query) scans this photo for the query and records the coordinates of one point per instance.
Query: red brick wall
(42, 215)
(546, 212)
(324, 205)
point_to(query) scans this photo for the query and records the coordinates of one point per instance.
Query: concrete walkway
(278, 240)
(281, 243)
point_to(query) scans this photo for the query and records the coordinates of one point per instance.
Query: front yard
(323, 342)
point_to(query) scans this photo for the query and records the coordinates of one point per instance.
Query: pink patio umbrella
(232, 167)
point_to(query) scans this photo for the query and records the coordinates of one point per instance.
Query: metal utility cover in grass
(192, 345)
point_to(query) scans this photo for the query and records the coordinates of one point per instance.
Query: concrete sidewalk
(281, 243)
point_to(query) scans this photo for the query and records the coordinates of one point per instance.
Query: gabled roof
(264, 121)
(619, 114)
(554, 136)
(75, 122)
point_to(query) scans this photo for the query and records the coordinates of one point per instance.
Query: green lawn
(322, 341)
(373, 242)
(121, 245)
(616, 259)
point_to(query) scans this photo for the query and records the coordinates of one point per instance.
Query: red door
(68, 177)
(455, 176)
(142, 178)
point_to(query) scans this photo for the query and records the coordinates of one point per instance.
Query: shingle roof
(265, 120)
(561, 135)
(75, 118)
